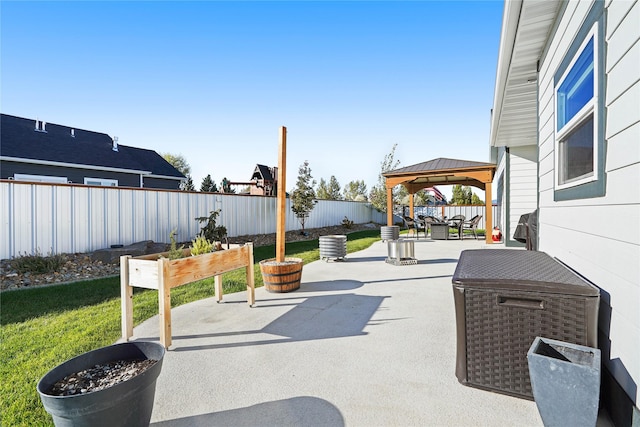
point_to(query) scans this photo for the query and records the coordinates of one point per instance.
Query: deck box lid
(520, 270)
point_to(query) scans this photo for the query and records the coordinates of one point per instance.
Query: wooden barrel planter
(334, 246)
(282, 276)
(389, 232)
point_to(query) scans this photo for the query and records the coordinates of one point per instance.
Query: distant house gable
(265, 178)
(35, 148)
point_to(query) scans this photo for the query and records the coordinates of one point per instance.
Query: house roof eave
(526, 28)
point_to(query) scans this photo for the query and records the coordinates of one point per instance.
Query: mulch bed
(80, 267)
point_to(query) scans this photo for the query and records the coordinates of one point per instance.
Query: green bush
(347, 223)
(175, 252)
(211, 231)
(37, 263)
(201, 246)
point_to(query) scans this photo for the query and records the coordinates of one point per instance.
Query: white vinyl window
(40, 178)
(101, 182)
(576, 100)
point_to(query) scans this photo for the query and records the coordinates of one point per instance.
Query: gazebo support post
(411, 206)
(488, 209)
(389, 206)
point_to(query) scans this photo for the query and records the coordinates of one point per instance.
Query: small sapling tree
(303, 196)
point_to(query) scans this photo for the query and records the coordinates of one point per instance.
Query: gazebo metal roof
(442, 171)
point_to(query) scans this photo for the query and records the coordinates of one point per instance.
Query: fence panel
(75, 218)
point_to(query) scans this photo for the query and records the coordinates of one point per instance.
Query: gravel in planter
(100, 377)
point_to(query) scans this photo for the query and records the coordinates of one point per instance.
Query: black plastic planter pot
(565, 379)
(128, 403)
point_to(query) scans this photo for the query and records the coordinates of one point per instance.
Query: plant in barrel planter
(281, 274)
(111, 386)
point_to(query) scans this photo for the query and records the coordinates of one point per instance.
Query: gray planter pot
(128, 403)
(565, 379)
(334, 246)
(389, 232)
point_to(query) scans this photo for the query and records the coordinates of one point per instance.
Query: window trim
(104, 182)
(590, 108)
(25, 177)
(596, 17)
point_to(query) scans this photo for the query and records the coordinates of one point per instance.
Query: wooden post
(282, 194)
(488, 209)
(389, 206)
(126, 295)
(411, 205)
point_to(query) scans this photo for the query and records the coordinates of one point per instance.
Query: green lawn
(43, 327)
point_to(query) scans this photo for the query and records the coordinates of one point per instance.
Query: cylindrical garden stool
(389, 232)
(334, 246)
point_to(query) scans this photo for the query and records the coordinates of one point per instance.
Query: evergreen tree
(334, 189)
(461, 195)
(208, 186)
(187, 185)
(354, 190)
(302, 197)
(476, 200)
(330, 191)
(322, 192)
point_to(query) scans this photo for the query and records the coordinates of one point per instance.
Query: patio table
(440, 231)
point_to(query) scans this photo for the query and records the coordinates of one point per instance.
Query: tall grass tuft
(37, 263)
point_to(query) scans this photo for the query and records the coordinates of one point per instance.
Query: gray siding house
(565, 133)
(32, 150)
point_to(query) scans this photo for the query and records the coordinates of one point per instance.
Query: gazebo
(442, 171)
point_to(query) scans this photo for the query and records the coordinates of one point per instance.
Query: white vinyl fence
(66, 218)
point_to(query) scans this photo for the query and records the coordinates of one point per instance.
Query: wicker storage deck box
(505, 298)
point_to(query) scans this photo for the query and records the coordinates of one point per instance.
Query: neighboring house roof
(264, 171)
(67, 146)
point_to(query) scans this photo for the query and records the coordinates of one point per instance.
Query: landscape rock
(112, 255)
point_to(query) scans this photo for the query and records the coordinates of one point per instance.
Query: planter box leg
(217, 280)
(164, 304)
(251, 284)
(126, 295)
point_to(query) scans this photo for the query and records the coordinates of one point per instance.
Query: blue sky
(214, 81)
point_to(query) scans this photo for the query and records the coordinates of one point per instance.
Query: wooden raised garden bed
(156, 271)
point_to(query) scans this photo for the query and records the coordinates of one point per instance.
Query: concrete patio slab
(361, 343)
